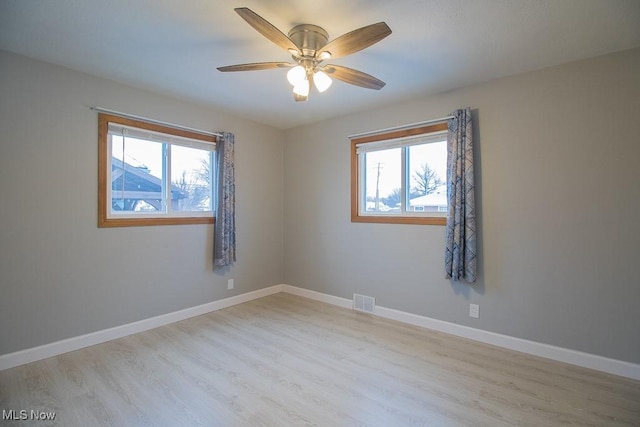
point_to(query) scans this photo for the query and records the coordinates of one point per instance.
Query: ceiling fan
(309, 47)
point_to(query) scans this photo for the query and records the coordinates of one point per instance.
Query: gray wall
(61, 276)
(559, 197)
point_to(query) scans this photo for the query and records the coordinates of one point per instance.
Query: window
(400, 176)
(150, 174)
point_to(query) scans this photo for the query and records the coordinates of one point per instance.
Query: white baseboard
(318, 296)
(29, 355)
(573, 357)
(578, 358)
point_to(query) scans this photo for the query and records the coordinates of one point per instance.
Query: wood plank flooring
(284, 360)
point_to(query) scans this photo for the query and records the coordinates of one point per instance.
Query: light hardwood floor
(285, 360)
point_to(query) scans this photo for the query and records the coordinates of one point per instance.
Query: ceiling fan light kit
(302, 88)
(296, 74)
(309, 46)
(321, 81)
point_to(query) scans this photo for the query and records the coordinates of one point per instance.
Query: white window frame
(169, 136)
(403, 139)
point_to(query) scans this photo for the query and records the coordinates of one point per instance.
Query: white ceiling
(174, 46)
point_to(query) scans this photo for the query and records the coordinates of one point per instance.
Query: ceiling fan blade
(356, 40)
(255, 66)
(265, 28)
(354, 77)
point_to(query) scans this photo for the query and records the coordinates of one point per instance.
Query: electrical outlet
(474, 311)
(230, 284)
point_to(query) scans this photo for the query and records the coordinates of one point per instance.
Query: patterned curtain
(460, 251)
(224, 234)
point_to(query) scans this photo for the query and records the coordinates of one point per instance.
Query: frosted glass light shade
(322, 81)
(296, 75)
(302, 88)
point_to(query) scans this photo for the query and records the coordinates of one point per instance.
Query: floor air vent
(364, 303)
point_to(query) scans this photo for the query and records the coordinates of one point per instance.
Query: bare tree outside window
(426, 179)
(196, 186)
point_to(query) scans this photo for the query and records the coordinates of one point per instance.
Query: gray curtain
(224, 235)
(460, 251)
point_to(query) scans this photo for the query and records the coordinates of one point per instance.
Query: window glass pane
(382, 178)
(190, 179)
(136, 175)
(427, 177)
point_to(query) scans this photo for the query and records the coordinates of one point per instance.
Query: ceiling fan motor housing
(309, 38)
